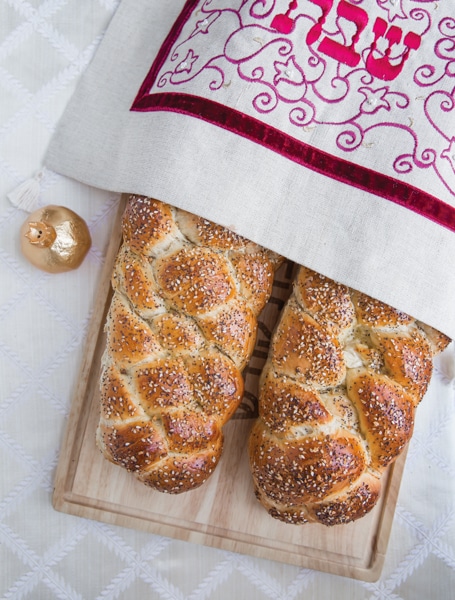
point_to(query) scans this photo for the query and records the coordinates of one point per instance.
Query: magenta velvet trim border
(371, 181)
(165, 49)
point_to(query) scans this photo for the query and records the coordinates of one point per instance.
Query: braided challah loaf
(180, 329)
(337, 399)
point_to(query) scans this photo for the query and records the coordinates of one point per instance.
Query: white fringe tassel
(26, 195)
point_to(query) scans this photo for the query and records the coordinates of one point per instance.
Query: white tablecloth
(44, 47)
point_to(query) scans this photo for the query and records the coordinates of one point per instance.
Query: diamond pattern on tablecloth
(10, 224)
(132, 563)
(13, 470)
(34, 410)
(433, 574)
(419, 555)
(31, 36)
(10, 21)
(272, 580)
(416, 484)
(36, 132)
(9, 295)
(77, 29)
(10, 389)
(333, 586)
(80, 285)
(24, 520)
(12, 95)
(93, 549)
(396, 554)
(62, 378)
(139, 588)
(32, 311)
(15, 565)
(248, 578)
(203, 571)
(31, 67)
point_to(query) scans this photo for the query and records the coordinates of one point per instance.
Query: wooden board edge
(84, 507)
(64, 500)
(67, 460)
(75, 505)
(387, 516)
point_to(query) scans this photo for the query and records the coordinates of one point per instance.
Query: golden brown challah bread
(337, 399)
(180, 329)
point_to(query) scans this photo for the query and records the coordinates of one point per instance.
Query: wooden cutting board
(223, 513)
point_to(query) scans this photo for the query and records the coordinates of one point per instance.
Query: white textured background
(44, 47)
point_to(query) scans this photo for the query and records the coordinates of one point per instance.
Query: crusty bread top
(337, 401)
(180, 329)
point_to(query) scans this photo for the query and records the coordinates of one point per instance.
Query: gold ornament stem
(41, 234)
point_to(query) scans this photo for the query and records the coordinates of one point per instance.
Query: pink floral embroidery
(374, 99)
(449, 154)
(353, 72)
(394, 9)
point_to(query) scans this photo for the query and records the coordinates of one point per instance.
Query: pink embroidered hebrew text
(326, 83)
(381, 67)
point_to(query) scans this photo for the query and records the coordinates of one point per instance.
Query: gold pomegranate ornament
(55, 239)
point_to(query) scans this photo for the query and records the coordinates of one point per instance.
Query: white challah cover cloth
(322, 129)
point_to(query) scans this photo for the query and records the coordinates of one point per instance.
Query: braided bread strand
(337, 401)
(180, 329)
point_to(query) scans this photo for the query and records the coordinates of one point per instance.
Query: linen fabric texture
(321, 129)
